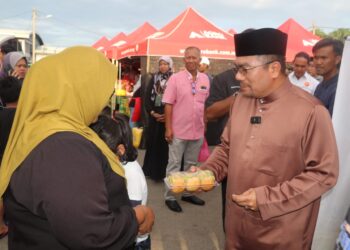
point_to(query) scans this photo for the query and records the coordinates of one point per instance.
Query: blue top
(325, 91)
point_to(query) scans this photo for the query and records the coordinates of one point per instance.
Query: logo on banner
(310, 42)
(207, 34)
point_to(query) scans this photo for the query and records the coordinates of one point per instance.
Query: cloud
(85, 21)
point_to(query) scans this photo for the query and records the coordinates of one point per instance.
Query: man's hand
(159, 117)
(145, 218)
(246, 199)
(169, 136)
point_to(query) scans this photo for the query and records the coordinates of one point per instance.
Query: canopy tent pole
(113, 98)
(147, 64)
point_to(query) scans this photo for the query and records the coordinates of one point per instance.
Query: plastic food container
(179, 182)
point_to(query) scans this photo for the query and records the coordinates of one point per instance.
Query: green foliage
(339, 34)
(320, 33)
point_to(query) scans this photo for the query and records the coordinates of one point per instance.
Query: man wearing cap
(204, 67)
(278, 151)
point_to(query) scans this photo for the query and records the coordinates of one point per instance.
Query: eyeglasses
(193, 88)
(244, 70)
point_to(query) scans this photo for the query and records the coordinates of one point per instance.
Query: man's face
(300, 66)
(192, 59)
(254, 76)
(326, 61)
(312, 69)
(203, 67)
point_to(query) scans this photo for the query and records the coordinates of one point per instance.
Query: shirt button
(260, 110)
(252, 137)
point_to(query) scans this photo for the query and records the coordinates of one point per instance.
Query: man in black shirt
(10, 89)
(222, 90)
(327, 58)
(218, 103)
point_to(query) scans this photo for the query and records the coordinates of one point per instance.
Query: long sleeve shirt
(290, 159)
(65, 196)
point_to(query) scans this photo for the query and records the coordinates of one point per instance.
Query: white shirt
(136, 186)
(306, 82)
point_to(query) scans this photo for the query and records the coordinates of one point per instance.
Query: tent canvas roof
(188, 29)
(117, 41)
(100, 44)
(299, 39)
(122, 40)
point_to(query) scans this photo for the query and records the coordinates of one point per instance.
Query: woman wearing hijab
(14, 65)
(13, 72)
(63, 188)
(156, 157)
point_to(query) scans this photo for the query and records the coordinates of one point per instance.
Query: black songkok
(266, 41)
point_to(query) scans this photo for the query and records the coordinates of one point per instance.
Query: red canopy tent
(116, 41)
(299, 39)
(188, 29)
(101, 43)
(121, 40)
(232, 31)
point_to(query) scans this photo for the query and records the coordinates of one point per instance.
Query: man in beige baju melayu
(278, 151)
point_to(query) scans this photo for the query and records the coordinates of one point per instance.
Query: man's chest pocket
(201, 95)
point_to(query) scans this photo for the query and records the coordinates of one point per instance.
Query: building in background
(22, 41)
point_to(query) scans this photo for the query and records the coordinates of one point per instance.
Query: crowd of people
(67, 159)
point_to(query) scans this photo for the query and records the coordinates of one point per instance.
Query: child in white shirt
(117, 134)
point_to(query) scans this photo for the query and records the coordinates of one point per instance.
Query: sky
(83, 22)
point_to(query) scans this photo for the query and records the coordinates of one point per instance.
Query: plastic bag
(136, 136)
(136, 115)
(204, 153)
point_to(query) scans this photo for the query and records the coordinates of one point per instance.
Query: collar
(302, 77)
(332, 80)
(189, 75)
(277, 94)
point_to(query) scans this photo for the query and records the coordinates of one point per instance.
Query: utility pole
(313, 28)
(33, 35)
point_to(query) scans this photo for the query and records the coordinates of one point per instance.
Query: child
(343, 241)
(116, 133)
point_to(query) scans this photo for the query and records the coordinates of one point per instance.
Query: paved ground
(197, 228)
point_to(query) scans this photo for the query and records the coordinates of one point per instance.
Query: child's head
(117, 134)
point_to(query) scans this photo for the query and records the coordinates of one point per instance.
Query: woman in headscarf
(156, 157)
(14, 65)
(13, 71)
(63, 188)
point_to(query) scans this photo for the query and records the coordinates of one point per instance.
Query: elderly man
(184, 100)
(327, 57)
(299, 76)
(278, 151)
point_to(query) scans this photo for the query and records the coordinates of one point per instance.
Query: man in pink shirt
(184, 100)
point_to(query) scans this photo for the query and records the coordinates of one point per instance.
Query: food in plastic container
(193, 182)
(177, 183)
(207, 179)
(180, 181)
